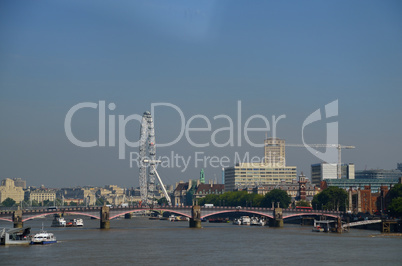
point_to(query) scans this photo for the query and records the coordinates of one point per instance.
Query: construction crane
(337, 146)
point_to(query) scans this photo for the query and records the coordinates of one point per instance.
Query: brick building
(363, 200)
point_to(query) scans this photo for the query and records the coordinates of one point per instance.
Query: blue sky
(275, 57)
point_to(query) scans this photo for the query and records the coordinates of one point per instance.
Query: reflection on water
(142, 242)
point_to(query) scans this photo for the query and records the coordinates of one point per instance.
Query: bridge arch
(66, 212)
(311, 214)
(236, 211)
(173, 211)
(156, 210)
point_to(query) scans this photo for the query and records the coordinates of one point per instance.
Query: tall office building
(323, 171)
(274, 154)
(399, 166)
(272, 170)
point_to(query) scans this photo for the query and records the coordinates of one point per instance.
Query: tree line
(395, 201)
(244, 199)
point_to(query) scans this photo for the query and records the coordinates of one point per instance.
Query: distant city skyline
(275, 58)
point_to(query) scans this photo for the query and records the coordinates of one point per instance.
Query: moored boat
(181, 219)
(262, 222)
(245, 220)
(155, 217)
(254, 221)
(75, 223)
(78, 222)
(318, 229)
(58, 222)
(237, 221)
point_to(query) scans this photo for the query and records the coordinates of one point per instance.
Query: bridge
(361, 223)
(107, 214)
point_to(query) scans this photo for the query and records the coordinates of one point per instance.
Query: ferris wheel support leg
(163, 187)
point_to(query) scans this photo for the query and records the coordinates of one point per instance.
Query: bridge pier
(339, 225)
(278, 218)
(17, 218)
(104, 217)
(386, 226)
(195, 220)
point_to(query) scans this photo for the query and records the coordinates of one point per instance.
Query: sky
(205, 60)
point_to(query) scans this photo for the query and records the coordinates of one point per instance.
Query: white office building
(253, 174)
(323, 171)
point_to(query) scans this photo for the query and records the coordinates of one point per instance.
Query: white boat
(75, 223)
(15, 236)
(172, 218)
(43, 238)
(254, 221)
(58, 222)
(237, 221)
(262, 222)
(245, 220)
(78, 222)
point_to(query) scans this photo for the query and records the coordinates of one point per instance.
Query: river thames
(141, 241)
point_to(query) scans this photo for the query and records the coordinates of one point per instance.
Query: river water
(141, 241)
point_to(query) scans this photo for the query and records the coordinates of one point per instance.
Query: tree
(303, 203)
(395, 197)
(48, 203)
(35, 203)
(276, 195)
(395, 208)
(254, 200)
(58, 202)
(8, 202)
(162, 201)
(395, 192)
(209, 199)
(332, 198)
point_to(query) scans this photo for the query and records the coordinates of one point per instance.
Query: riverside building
(324, 171)
(251, 174)
(272, 170)
(274, 152)
(9, 190)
